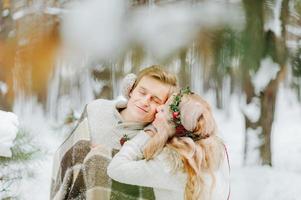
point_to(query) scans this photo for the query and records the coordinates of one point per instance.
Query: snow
(95, 27)
(254, 142)
(283, 180)
(287, 132)
(9, 126)
(293, 44)
(152, 27)
(5, 12)
(268, 71)
(274, 24)
(47, 135)
(252, 110)
(19, 14)
(37, 7)
(54, 11)
(62, 100)
(3, 88)
(265, 183)
(294, 30)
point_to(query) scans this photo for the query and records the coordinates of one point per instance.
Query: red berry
(175, 115)
(122, 141)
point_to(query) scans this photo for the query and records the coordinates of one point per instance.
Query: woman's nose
(160, 108)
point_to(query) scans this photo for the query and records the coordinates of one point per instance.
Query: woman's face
(190, 108)
(163, 112)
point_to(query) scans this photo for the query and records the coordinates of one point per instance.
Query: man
(79, 172)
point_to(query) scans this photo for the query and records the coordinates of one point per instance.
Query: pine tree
(14, 168)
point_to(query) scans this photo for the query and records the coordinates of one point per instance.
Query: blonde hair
(157, 72)
(200, 158)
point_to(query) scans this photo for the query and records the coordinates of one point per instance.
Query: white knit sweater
(128, 166)
(106, 124)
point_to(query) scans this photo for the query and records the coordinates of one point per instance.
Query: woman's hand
(150, 133)
(163, 124)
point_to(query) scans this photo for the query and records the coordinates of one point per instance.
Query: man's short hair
(157, 72)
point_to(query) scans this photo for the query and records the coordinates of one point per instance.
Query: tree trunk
(184, 75)
(268, 97)
(268, 101)
(253, 45)
(275, 48)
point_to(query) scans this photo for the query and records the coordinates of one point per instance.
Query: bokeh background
(243, 56)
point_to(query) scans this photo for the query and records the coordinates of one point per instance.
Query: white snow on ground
(48, 136)
(281, 182)
(265, 183)
(287, 133)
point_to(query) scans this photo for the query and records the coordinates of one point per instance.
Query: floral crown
(174, 107)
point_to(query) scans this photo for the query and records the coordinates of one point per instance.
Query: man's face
(145, 98)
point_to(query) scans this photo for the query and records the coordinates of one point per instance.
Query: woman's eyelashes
(157, 101)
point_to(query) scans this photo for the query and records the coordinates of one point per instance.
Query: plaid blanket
(80, 172)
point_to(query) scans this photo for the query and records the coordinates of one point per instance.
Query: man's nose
(146, 99)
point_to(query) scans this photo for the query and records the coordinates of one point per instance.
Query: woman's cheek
(158, 120)
(161, 116)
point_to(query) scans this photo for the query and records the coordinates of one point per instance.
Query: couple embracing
(160, 144)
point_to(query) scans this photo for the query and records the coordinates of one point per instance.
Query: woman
(181, 157)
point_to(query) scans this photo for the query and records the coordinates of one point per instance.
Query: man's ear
(127, 85)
